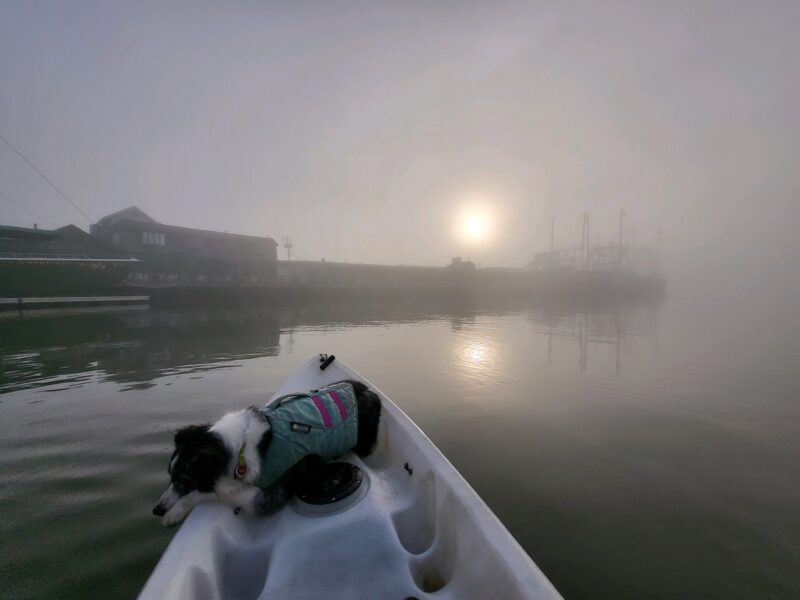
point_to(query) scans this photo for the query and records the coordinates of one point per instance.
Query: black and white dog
(207, 462)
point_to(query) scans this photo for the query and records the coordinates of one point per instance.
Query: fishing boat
(400, 524)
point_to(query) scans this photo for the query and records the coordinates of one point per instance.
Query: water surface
(634, 452)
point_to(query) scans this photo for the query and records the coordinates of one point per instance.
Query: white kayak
(414, 528)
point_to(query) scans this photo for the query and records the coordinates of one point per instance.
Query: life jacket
(323, 422)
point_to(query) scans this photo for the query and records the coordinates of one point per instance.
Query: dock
(69, 301)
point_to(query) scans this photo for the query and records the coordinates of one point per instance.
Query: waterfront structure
(184, 265)
(327, 274)
(57, 262)
(182, 256)
(68, 241)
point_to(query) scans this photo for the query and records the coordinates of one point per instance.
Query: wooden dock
(66, 301)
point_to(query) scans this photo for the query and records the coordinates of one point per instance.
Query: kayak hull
(414, 529)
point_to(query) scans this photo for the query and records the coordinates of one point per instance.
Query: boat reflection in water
(622, 331)
(136, 346)
(128, 346)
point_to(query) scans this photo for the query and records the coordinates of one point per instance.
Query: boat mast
(621, 217)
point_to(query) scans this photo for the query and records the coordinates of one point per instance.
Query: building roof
(9, 231)
(133, 214)
(206, 233)
(71, 229)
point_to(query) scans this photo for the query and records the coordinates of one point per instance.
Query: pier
(69, 301)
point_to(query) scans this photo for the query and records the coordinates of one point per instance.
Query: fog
(631, 417)
(363, 130)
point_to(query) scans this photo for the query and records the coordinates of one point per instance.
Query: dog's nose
(159, 510)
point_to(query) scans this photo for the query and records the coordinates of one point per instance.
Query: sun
(474, 225)
(474, 228)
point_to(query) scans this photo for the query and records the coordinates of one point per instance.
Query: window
(152, 239)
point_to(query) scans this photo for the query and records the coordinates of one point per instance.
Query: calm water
(635, 453)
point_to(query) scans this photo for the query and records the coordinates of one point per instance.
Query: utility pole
(582, 259)
(287, 243)
(588, 245)
(658, 248)
(621, 217)
(552, 235)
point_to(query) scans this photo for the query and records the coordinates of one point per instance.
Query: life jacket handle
(281, 399)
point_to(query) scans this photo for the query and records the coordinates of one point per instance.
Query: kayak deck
(414, 529)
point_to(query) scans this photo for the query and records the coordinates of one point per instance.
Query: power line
(30, 211)
(43, 176)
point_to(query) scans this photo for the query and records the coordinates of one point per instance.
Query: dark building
(335, 279)
(66, 242)
(174, 255)
(23, 240)
(58, 262)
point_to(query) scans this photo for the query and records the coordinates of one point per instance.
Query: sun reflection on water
(476, 353)
(474, 357)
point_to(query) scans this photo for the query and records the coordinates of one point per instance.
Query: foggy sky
(360, 128)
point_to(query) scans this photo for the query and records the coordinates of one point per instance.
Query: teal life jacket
(323, 422)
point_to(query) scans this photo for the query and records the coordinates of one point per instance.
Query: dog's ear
(190, 434)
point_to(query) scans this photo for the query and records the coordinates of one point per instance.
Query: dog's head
(199, 459)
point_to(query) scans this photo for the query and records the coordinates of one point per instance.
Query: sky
(366, 131)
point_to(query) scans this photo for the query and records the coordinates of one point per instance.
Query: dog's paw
(174, 515)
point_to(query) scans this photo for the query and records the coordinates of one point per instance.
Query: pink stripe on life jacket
(326, 418)
(339, 405)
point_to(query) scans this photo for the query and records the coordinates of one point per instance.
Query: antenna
(287, 243)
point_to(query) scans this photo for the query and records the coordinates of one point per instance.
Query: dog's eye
(171, 462)
(183, 484)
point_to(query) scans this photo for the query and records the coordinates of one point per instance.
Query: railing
(40, 255)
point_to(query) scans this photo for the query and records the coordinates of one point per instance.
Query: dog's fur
(202, 466)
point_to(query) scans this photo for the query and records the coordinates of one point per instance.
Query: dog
(242, 460)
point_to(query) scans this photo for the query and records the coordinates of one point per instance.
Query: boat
(399, 524)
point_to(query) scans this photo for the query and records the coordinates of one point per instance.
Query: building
(58, 262)
(68, 242)
(178, 256)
